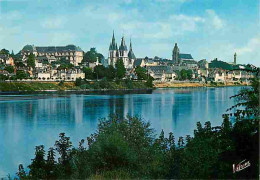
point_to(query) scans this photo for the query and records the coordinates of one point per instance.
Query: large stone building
(179, 58)
(71, 53)
(122, 52)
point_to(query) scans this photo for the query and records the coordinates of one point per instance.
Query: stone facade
(70, 52)
(180, 58)
(122, 52)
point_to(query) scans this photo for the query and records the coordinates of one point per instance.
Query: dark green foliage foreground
(128, 148)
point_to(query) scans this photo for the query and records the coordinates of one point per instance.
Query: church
(122, 52)
(179, 58)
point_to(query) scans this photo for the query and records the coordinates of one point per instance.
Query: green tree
(9, 69)
(19, 64)
(3, 77)
(183, 74)
(78, 82)
(20, 74)
(50, 164)
(110, 72)
(189, 74)
(88, 73)
(92, 55)
(141, 73)
(4, 51)
(37, 167)
(31, 61)
(248, 98)
(120, 69)
(149, 82)
(63, 147)
(99, 71)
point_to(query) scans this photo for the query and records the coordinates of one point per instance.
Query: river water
(30, 120)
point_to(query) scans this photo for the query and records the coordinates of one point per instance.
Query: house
(190, 64)
(203, 64)
(139, 62)
(162, 73)
(217, 75)
(6, 59)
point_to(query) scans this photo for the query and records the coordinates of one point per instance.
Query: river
(30, 120)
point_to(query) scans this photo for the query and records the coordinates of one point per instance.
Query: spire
(123, 45)
(131, 54)
(113, 38)
(113, 42)
(131, 45)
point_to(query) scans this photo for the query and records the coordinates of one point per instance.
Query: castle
(116, 53)
(72, 53)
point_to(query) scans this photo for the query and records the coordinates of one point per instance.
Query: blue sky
(204, 28)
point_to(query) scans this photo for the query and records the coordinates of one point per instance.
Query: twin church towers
(122, 52)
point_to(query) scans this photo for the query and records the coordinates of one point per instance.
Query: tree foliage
(141, 73)
(4, 51)
(185, 74)
(9, 69)
(31, 61)
(99, 71)
(92, 55)
(20, 74)
(88, 73)
(110, 72)
(120, 69)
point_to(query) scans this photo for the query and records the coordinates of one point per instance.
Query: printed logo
(240, 166)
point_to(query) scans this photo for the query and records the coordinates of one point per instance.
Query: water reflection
(27, 121)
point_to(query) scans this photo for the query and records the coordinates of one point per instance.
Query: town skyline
(206, 33)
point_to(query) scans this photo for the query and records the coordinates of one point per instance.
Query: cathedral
(179, 58)
(122, 52)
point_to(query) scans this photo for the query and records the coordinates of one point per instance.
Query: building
(122, 52)
(6, 59)
(203, 64)
(71, 53)
(175, 54)
(180, 58)
(162, 73)
(234, 60)
(52, 75)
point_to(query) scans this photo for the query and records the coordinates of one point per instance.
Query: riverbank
(195, 84)
(71, 86)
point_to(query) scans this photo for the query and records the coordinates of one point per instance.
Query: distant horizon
(204, 29)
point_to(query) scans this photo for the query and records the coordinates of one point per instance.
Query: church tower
(131, 55)
(123, 52)
(113, 52)
(175, 54)
(235, 58)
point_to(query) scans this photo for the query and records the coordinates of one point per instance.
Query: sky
(207, 29)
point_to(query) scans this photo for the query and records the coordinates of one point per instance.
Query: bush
(61, 83)
(129, 83)
(78, 82)
(104, 84)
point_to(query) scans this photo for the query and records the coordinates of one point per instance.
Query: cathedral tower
(113, 52)
(123, 52)
(175, 54)
(131, 55)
